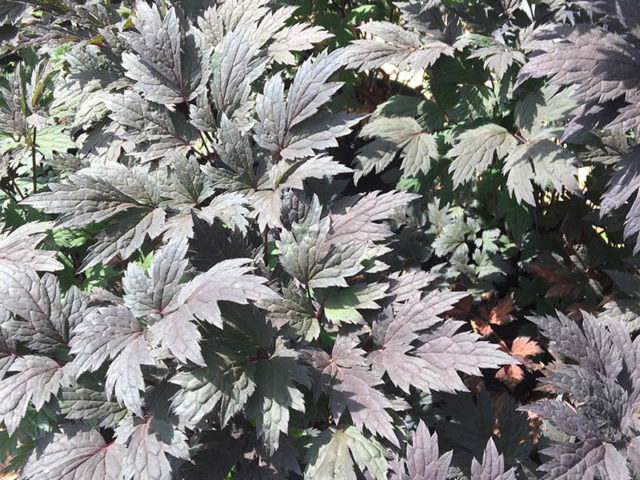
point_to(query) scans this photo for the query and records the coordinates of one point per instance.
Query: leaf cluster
(320, 240)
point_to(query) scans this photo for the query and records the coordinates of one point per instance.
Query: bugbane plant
(212, 267)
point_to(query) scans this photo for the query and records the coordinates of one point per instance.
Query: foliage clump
(236, 243)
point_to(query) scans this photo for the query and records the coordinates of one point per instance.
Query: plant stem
(13, 198)
(265, 238)
(33, 161)
(15, 185)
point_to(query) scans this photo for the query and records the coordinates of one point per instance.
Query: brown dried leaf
(525, 347)
(501, 313)
(510, 375)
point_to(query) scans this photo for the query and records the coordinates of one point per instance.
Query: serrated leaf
(334, 453)
(225, 381)
(124, 235)
(307, 256)
(69, 456)
(179, 335)
(343, 305)
(53, 138)
(235, 65)
(358, 222)
(498, 58)
(545, 163)
(475, 150)
(165, 67)
(308, 93)
(113, 333)
(150, 296)
(97, 193)
(145, 456)
(124, 375)
(423, 364)
(346, 377)
(423, 458)
(464, 351)
(19, 247)
(45, 323)
(229, 281)
(277, 393)
(37, 378)
(80, 403)
(492, 466)
(296, 312)
(153, 129)
(401, 47)
(296, 38)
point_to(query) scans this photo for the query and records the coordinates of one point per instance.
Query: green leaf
(475, 149)
(53, 138)
(334, 454)
(342, 305)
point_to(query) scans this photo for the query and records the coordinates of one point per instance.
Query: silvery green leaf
(423, 456)
(19, 247)
(543, 162)
(399, 46)
(346, 377)
(153, 128)
(36, 379)
(333, 454)
(499, 57)
(41, 324)
(358, 222)
(492, 466)
(374, 157)
(228, 280)
(296, 38)
(74, 455)
(97, 193)
(538, 109)
(314, 167)
(342, 305)
(124, 235)
(418, 147)
(224, 381)
(165, 65)
(236, 64)
(53, 138)
(81, 403)
(273, 399)
(475, 149)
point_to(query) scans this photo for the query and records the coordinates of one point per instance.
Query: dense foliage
(319, 239)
